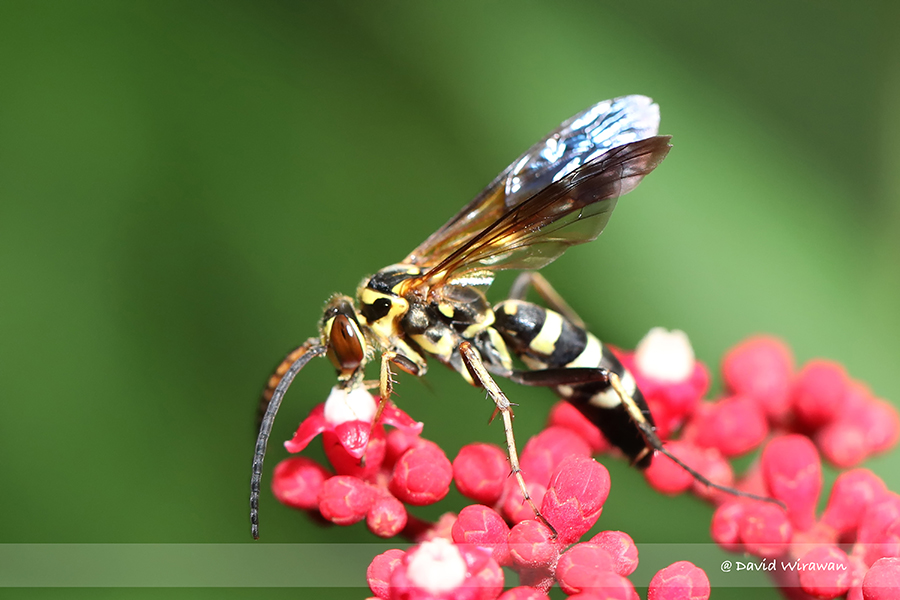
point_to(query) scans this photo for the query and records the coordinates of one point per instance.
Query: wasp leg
(386, 381)
(558, 377)
(472, 360)
(533, 279)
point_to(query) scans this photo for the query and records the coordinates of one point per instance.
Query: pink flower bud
(541, 579)
(666, 417)
(883, 580)
(387, 517)
(621, 548)
(715, 467)
(858, 570)
(851, 494)
(582, 568)
(671, 381)
(486, 575)
(345, 500)
(398, 442)
(523, 593)
(514, 506)
(818, 394)
(879, 528)
(608, 586)
(565, 415)
(434, 569)
(479, 471)
(734, 425)
(482, 526)
(765, 530)
(881, 423)
(298, 481)
(725, 529)
(575, 498)
(825, 572)
(532, 546)
(761, 367)
(665, 476)
(793, 474)
(844, 444)
(379, 572)
(348, 463)
(680, 580)
(422, 475)
(544, 452)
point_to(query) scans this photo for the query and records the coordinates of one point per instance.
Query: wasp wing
(569, 211)
(578, 141)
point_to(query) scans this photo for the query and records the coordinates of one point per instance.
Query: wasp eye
(345, 347)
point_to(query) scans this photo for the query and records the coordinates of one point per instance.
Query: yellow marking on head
(367, 296)
(545, 341)
(386, 326)
(591, 356)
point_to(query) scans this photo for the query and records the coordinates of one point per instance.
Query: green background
(183, 184)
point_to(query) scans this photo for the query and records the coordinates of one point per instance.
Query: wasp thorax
(342, 336)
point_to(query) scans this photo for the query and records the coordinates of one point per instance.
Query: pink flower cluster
(400, 467)
(793, 416)
(481, 542)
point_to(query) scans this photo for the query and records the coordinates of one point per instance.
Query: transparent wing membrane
(584, 138)
(571, 210)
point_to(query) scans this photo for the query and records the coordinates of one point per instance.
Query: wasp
(432, 304)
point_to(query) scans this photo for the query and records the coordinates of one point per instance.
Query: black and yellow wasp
(561, 192)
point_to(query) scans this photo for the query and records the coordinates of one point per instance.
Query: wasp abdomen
(544, 339)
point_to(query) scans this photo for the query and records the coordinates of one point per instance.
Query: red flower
(348, 415)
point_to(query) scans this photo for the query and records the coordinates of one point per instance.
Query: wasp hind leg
(472, 359)
(636, 413)
(532, 279)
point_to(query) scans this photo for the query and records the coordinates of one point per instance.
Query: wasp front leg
(472, 359)
(386, 379)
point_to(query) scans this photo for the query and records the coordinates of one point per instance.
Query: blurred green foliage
(183, 184)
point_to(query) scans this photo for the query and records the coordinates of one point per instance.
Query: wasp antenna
(308, 350)
(724, 488)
